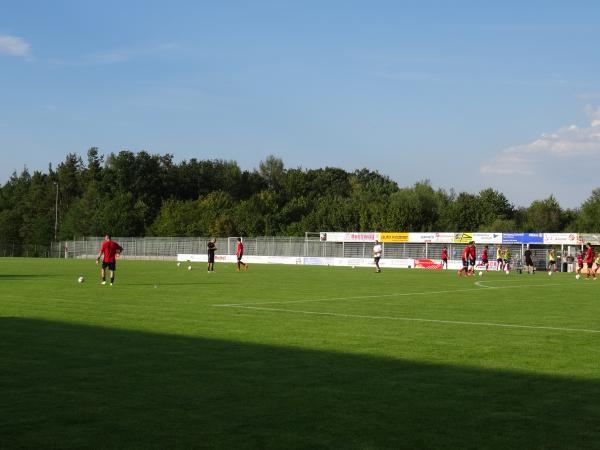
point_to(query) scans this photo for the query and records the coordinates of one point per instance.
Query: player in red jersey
(444, 258)
(579, 262)
(484, 258)
(239, 253)
(465, 257)
(589, 261)
(111, 250)
(472, 257)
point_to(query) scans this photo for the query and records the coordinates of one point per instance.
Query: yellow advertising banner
(393, 237)
(463, 238)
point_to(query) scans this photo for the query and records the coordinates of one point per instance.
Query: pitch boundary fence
(167, 248)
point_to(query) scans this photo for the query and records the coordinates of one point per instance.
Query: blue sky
(467, 94)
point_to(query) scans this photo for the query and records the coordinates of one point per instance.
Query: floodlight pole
(56, 211)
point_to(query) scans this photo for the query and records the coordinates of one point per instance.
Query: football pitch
(295, 357)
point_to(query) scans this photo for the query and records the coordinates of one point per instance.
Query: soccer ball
(80, 279)
(189, 267)
(480, 273)
(507, 272)
(577, 277)
(549, 273)
(178, 264)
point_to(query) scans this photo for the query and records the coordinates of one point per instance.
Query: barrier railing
(167, 248)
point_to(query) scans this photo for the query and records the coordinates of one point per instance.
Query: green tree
(272, 171)
(463, 213)
(494, 210)
(588, 219)
(118, 216)
(83, 218)
(544, 216)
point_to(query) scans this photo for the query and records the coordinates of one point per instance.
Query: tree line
(143, 194)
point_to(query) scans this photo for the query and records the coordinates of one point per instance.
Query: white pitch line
(414, 319)
(397, 294)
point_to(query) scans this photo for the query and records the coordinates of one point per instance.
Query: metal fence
(27, 250)
(167, 248)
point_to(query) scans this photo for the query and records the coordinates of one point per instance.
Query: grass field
(295, 357)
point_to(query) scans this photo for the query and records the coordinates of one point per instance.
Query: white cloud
(14, 46)
(565, 145)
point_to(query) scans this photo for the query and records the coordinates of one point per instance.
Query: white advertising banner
(202, 258)
(487, 238)
(560, 238)
(593, 239)
(433, 238)
(395, 263)
(291, 260)
(348, 237)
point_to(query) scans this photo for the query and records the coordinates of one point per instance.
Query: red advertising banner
(428, 264)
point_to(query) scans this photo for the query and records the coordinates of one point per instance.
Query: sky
(466, 94)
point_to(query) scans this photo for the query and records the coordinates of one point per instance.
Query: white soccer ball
(549, 273)
(480, 273)
(507, 272)
(178, 264)
(80, 279)
(577, 277)
(189, 267)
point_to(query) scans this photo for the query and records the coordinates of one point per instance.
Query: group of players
(590, 259)
(110, 251)
(211, 249)
(469, 255)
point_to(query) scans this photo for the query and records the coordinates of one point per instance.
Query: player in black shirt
(211, 248)
(528, 261)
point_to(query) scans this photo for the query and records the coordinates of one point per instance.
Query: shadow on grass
(8, 276)
(75, 386)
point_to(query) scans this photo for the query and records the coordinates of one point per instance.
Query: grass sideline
(299, 357)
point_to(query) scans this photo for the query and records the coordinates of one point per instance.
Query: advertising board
(522, 238)
(560, 238)
(462, 238)
(593, 239)
(433, 238)
(479, 238)
(393, 237)
(348, 237)
(428, 264)
(487, 238)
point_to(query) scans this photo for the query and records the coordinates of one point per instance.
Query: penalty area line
(416, 319)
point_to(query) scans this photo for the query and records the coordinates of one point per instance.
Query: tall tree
(463, 213)
(272, 171)
(588, 220)
(494, 210)
(544, 216)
